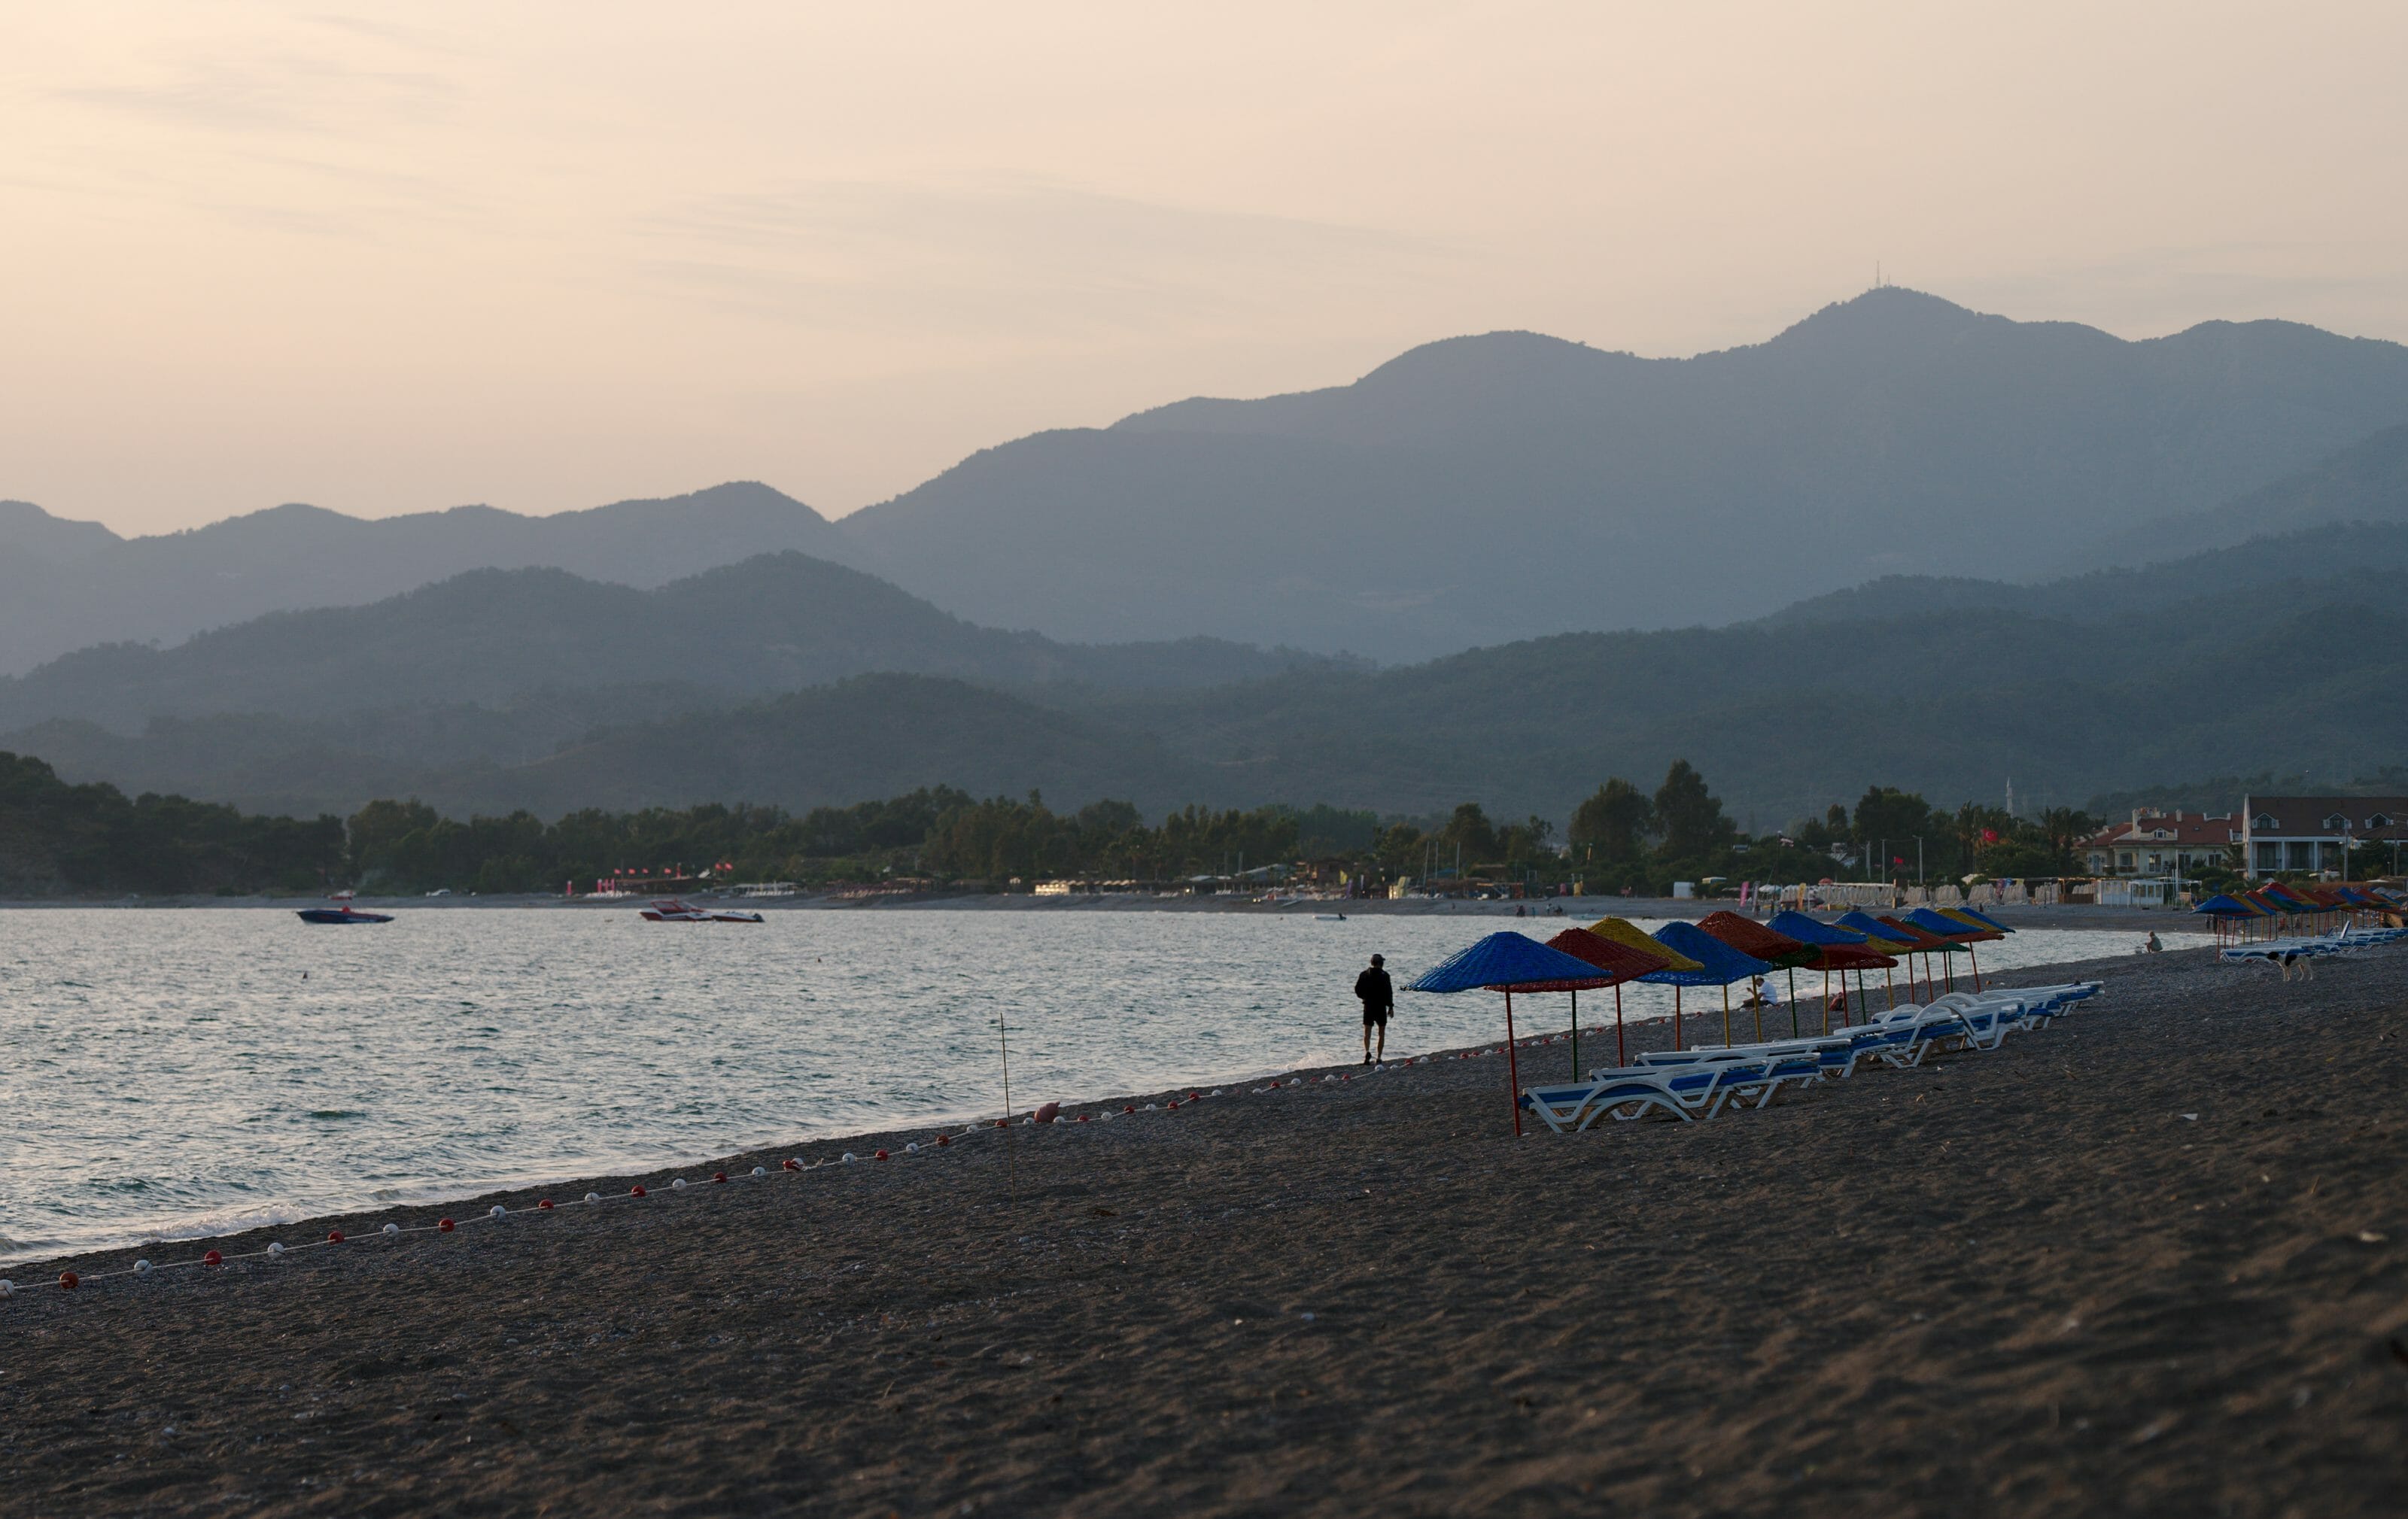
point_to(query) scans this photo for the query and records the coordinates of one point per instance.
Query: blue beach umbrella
(1829, 937)
(1982, 918)
(1510, 963)
(1719, 964)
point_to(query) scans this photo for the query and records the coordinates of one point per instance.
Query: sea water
(175, 1073)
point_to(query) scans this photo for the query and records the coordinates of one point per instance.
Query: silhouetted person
(1379, 998)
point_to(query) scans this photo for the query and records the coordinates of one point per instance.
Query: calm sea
(174, 1073)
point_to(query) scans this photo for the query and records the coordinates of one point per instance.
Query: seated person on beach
(1379, 999)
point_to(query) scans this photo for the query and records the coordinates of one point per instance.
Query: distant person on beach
(2154, 946)
(1378, 995)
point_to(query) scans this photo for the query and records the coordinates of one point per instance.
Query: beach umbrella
(2226, 913)
(1982, 918)
(1773, 948)
(1718, 965)
(1926, 944)
(1837, 949)
(1888, 939)
(1509, 963)
(1622, 962)
(1940, 926)
(1623, 931)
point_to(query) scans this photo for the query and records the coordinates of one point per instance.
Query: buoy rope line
(73, 1281)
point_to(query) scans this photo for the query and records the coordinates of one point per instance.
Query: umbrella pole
(1891, 981)
(1827, 999)
(1676, 1015)
(1726, 1039)
(1575, 1075)
(1512, 1067)
(1619, 1058)
(1793, 1002)
(1976, 955)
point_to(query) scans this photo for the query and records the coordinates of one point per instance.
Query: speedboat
(345, 913)
(677, 909)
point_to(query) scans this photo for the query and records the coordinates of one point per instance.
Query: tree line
(92, 838)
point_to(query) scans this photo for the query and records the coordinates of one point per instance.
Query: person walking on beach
(1378, 995)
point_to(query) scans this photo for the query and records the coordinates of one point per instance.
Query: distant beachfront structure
(2160, 843)
(2310, 833)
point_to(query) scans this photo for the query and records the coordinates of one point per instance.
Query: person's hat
(1377, 961)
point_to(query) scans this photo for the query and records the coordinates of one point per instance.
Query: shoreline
(2149, 1258)
(1701, 1027)
(1576, 910)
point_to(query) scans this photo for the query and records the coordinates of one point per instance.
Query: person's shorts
(1374, 1015)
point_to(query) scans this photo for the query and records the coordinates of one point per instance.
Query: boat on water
(677, 909)
(342, 911)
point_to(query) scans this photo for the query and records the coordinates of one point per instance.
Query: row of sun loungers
(2298, 955)
(1693, 1085)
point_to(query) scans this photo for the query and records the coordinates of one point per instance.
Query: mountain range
(1473, 491)
(2109, 564)
(2284, 652)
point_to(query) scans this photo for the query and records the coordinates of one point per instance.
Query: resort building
(2161, 844)
(2312, 833)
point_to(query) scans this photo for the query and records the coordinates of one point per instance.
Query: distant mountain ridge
(68, 586)
(1512, 485)
(1950, 687)
(1470, 490)
(519, 641)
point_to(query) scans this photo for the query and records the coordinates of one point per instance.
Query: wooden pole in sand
(1793, 1001)
(1827, 998)
(1726, 1016)
(1975, 957)
(1676, 1015)
(1575, 1075)
(1011, 1176)
(1619, 1057)
(1512, 1067)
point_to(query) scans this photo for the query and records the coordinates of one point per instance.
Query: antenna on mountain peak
(1877, 274)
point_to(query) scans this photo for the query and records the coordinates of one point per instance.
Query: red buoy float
(719, 1176)
(444, 1225)
(543, 1204)
(334, 1237)
(69, 1281)
(212, 1258)
(794, 1164)
(944, 1141)
(635, 1191)
(878, 1155)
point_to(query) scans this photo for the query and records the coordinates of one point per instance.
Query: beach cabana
(1773, 948)
(1509, 963)
(1837, 948)
(1612, 957)
(1718, 965)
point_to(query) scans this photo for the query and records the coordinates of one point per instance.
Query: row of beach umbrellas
(1721, 949)
(2237, 915)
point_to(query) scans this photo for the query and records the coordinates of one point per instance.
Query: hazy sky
(545, 254)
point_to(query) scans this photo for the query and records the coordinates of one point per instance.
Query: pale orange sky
(545, 254)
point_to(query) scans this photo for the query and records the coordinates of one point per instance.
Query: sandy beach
(2152, 1259)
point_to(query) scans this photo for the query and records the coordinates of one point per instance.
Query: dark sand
(2016, 1282)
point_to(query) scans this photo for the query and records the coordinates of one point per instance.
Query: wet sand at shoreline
(2022, 1281)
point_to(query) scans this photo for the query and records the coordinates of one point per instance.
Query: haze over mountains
(66, 586)
(1471, 491)
(1511, 492)
(2287, 653)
